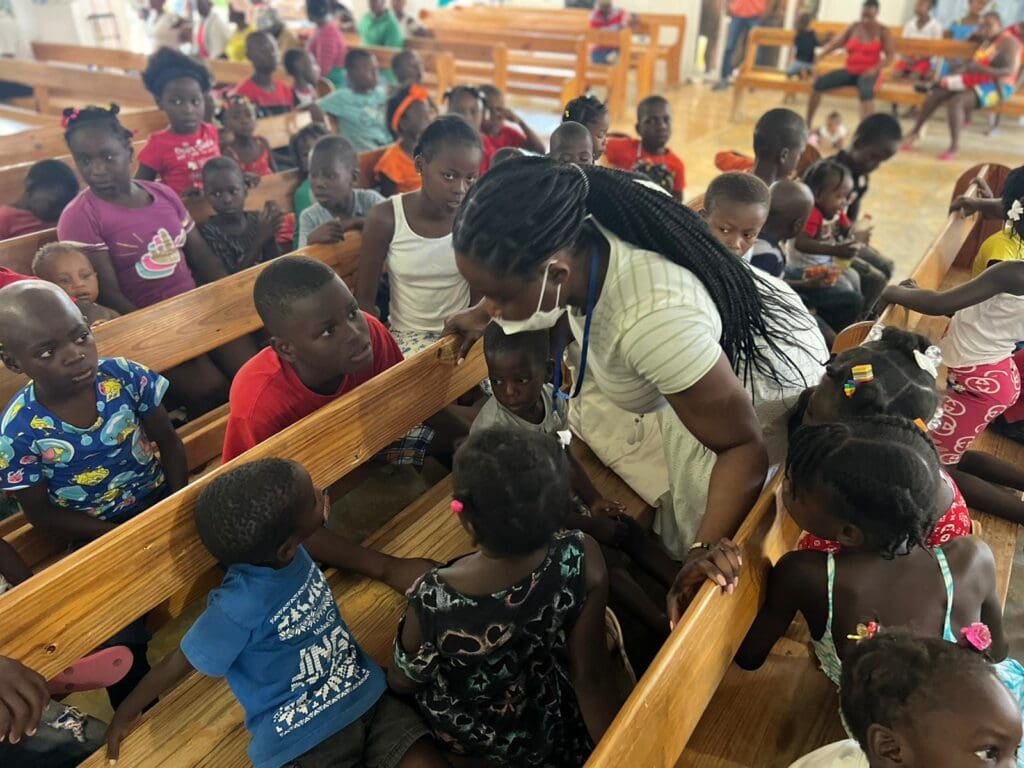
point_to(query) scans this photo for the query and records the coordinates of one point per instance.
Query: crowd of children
(503, 655)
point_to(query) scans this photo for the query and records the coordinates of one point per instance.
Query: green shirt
(383, 30)
(360, 116)
(302, 199)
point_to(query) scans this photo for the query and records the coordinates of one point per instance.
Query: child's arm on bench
(584, 486)
(399, 573)
(12, 567)
(161, 678)
(161, 431)
(68, 524)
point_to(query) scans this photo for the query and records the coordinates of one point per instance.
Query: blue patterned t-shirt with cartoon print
(106, 470)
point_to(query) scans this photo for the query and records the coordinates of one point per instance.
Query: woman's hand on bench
(719, 564)
(469, 326)
(23, 696)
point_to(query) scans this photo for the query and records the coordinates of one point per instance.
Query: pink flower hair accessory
(977, 636)
(457, 506)
(68, 118)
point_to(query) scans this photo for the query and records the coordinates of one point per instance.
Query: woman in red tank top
(982, 83)
(869, 46)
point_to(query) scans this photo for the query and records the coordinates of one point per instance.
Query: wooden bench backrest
(26, 147)
(16, 253)
(158, 554)
(90, 56)
(685, 674)
(197, 321)
(86, 87)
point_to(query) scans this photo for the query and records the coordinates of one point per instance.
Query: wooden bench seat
(890, 88)
(52, 81)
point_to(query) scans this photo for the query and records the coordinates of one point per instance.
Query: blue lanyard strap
(591, 301)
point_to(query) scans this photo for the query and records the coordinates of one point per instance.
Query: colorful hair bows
(862, 374)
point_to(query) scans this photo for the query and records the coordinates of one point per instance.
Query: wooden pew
(70, 82)
(752, 76)
(721, 716)
(646, 39)
(27, 147)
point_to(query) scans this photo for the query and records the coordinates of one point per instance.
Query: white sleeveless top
(426, 286)
(985, 333)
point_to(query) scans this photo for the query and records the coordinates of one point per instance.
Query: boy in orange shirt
(649, 154)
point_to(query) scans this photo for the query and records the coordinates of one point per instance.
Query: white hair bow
(1016, 211)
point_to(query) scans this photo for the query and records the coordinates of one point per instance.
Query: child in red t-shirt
(49, 186)
(239, 140)
(177, 154)
(650, 154)
(321, 346)
(611, 19)
(268, 95)
(501, 127)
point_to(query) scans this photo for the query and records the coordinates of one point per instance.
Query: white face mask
(541, 320)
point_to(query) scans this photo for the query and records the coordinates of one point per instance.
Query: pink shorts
(975, 396)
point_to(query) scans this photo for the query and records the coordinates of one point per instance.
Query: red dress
(862, 57)
(955, 523)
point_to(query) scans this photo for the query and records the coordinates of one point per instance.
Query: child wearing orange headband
(409, 111)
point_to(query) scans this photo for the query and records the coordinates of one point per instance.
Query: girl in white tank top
(411, 235)
(983, 378)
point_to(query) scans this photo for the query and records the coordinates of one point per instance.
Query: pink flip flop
(947, 155)
(97, 670)
(906, 146)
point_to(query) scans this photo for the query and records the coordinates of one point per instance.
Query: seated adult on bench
(869, 46)
(983, 83)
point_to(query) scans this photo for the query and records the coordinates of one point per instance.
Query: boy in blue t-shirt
(76, 442)
(311, 695)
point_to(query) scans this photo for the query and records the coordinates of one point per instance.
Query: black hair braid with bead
(526, 209)
(882, 473)
(895, 676)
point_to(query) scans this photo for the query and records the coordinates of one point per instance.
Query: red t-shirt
(820, 229)
(508, 136)
(179, 158)
(8, 276)
(268, 396)
(625, 152)
(275, 102)
(18, 221)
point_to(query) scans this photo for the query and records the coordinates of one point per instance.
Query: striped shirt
(655, 329)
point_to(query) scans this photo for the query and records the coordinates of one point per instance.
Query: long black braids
(881, 472)
(526, 209)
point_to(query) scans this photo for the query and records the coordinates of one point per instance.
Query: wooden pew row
(557, 65)
(647, 38)
(50, 81)
(721, 716)
(891, 89)
(437, 64)
(26, 147)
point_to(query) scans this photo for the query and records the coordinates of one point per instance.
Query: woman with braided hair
(663, 314)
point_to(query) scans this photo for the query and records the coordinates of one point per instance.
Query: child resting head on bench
(920, 702)
(49, 186)
(77, 445)
(571, 142)
(240, 238)
(339, 206)
(871, 485)
(501, 127)
(540, 691)
(176, 155)
(592, 113)
(64, 265)
(272, 628)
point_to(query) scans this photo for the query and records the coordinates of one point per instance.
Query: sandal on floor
(97, 670)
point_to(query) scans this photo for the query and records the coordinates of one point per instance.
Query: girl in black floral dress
(504, 648)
